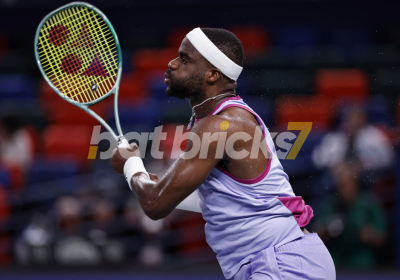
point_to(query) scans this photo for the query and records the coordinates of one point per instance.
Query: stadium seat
(320, 57)
(67, 141)
(274, 57)
(342, 84)
(147, 60)
(47, 95)
(5, 177)
(27, 112)
(17, 86)
(386, 81)
(44, 170)
(175, 37)
(276, 82)
(50, 178)
(132, 87)
(296, 36)
(318, 110)
(255, 39)
(372, 57)
(4, 206)
(379, 111)
(155, 84)
(64, 113)
(11, 177)
(350, 37)
(246, 83)
(138, 116)
(262, 106)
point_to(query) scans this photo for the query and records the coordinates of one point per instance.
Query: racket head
(78, 53)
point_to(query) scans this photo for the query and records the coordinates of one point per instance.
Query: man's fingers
(154, 177)
(133, 146)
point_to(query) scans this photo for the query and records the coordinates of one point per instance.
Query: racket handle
(122, 142)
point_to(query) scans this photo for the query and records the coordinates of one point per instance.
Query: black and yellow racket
(78, 54)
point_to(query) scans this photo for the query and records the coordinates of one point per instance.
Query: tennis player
(255, 223)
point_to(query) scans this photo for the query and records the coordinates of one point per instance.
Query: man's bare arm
(158, 199)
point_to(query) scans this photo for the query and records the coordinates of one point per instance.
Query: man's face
(185, 76)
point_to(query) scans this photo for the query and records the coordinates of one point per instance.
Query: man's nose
(173, 64)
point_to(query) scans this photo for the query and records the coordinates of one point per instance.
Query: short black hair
(227, 42)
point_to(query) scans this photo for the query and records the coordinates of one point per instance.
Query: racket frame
(114, 90)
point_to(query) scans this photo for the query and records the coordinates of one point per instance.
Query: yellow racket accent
(78, 53)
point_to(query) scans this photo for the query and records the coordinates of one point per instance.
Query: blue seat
(379, 111)
(246, 83)
(48, 170)
(139, 117)
(17, 86)
(303, 164)
(49, 179)
(262, 106)
(156, 85)
(296, 36)
(5, 177)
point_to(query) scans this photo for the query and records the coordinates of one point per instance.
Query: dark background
(282, 73)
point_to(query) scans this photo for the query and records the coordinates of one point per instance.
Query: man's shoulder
(232, 119)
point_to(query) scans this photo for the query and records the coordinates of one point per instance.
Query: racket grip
(122, 142)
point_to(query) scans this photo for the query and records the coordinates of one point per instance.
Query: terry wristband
(133, 166)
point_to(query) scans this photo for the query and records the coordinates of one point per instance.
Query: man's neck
(208, 106)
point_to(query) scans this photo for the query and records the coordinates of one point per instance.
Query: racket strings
(78, 53)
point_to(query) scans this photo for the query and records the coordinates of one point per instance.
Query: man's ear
(213, 75)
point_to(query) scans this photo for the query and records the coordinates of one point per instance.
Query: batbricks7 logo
(285, 147)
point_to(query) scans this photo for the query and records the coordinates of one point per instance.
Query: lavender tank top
(245, 216)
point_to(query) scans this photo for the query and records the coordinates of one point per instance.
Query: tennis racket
(78, 54)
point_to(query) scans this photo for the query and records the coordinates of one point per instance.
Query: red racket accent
(71, 63)
(96, 68)
(84, 40)
(58, 35)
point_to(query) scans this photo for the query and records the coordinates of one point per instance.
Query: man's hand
(121, 155)
(154, 177)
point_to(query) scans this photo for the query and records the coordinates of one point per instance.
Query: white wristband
(132, 166)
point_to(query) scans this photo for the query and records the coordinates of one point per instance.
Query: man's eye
(184, 61)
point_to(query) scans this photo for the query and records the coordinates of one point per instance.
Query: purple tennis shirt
(246, 216)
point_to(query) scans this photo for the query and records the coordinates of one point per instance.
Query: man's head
(190, 74)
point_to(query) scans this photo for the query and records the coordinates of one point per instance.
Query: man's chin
(171, 93)
(168, 92)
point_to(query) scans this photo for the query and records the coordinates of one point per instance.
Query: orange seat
(175, 37)
(147, 60)
(132, 87)
(47, 94)
(67, 141)
(317, 110)
(254, 38)
(68, 114)
(4, 205)
(342, 84)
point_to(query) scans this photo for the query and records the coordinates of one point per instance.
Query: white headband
(210, 52)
